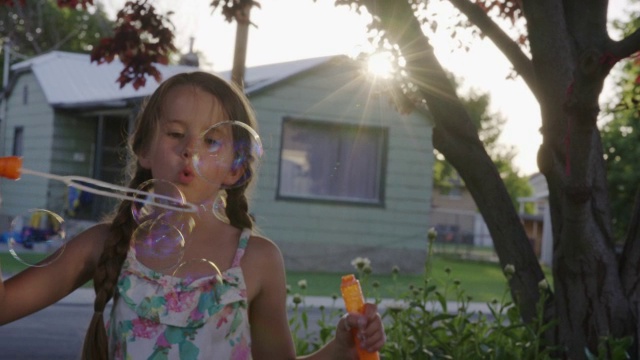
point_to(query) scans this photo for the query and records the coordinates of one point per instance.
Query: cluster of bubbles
(163, 216)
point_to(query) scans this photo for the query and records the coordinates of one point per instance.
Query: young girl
(156, 313)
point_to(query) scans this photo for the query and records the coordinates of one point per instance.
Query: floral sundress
(157, 316)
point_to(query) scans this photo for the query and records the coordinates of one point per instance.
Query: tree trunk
(570, 50)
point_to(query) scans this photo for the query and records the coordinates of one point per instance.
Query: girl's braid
(238, 208)
(107, 272)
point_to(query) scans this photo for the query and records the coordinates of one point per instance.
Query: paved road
(56, 332)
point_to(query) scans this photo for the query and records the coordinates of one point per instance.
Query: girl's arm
(38, 287)
(270, 332)
(270, 335)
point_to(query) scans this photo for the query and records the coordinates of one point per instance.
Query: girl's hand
(366, 327)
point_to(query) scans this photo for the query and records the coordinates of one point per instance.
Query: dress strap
(244, 239)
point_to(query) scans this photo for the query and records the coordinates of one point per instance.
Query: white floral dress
(157, 316)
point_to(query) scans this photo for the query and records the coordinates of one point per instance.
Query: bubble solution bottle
(354, 303)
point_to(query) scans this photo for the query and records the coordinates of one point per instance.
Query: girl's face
(187, 112)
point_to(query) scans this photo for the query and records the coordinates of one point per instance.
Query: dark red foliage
(12, 3)
(74, 3)
(141, 38)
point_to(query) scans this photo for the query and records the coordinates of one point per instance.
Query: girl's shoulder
(262, 266)
(262, 246)
(262, 252)
(98, 231)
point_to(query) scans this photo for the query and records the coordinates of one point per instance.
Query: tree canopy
(36, 27)
(620, 140)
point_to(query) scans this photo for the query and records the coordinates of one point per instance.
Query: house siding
(324, 235)
(37, 118)
(313, 235)
(73, 145)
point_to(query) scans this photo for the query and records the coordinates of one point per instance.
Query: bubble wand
(11, 168)
(354, 302)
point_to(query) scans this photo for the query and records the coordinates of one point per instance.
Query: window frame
(337, 200)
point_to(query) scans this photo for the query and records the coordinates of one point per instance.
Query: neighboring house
(343, 175)
(538, 224)
(454, 215)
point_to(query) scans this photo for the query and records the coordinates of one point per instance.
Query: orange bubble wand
(11, 168)
(354, 302)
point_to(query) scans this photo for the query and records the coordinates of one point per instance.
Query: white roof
(71, 79)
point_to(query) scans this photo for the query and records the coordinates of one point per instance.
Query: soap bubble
(161, 192)
(159, 238)
(152, 195)
(219, 207)
(37, 238)
(158, 244)
(195, 269)
(228, 147)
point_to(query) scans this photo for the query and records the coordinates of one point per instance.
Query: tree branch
(520, 61)
(630, 258)
(626, 47)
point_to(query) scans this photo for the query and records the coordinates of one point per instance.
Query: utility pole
(240, 53)
(6, 47)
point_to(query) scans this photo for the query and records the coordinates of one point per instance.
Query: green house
(343, 175)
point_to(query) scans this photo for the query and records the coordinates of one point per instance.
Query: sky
(297, 29)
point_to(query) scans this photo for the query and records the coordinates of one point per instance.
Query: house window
(332, 162)
(18, 140)
(25, 95)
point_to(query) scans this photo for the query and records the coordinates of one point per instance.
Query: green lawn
(483, 281)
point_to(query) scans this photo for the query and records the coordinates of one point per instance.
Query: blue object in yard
(31, 235)
(4, 238)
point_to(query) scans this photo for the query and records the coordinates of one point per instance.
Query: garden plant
(421, 324)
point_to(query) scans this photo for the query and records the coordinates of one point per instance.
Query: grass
(10, 265)
(482, 280)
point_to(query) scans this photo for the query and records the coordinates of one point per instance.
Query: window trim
(379, 203)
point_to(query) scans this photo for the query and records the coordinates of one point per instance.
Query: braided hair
(122, 223)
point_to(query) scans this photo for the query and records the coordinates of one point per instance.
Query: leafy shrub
(421, 324)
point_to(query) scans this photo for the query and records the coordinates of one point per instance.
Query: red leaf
(72, 4)
(12, 3)
(138, 46)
